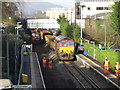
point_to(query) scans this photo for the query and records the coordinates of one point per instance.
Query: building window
(99, 8)
(103, 8)
(89, 8)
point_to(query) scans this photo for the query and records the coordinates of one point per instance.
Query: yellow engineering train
(63, 46)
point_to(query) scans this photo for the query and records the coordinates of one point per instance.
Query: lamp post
(71, 18)
(105, 35)
(81, 35)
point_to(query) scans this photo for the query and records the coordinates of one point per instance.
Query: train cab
(65, 47)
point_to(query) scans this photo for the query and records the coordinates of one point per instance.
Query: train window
(63, 44)
(70, 43)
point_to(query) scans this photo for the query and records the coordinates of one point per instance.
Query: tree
(115, 17)
(65, 28)
(76, 33)
(71, 31)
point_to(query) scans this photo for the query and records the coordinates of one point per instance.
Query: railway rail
(85, 77)
(83, 80)
(78, 76)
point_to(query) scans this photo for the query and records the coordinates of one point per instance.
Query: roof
(60, 37)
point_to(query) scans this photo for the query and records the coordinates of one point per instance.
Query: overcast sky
(65, 3)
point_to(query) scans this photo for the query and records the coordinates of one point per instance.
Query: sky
(64, 3)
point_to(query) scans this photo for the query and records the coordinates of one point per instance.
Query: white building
(93, 7)
(42, 23)
(53, 13)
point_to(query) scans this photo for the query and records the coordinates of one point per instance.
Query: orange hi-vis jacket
(44, 61)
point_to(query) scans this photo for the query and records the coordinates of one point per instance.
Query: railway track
(80, 77)
(76, 77)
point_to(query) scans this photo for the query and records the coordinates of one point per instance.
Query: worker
(106, 66)
(50, 63)
(117, 70)
(44, 62)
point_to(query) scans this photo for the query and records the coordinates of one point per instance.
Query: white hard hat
(105, 58)
(117, 62)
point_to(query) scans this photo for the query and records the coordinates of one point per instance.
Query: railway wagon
(50, 40)
(44, 32)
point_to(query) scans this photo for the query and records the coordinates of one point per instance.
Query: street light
(80, 9)
(71, 18)
(105, 35)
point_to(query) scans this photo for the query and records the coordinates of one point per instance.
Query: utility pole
(104, 35)
(71, 17)
(80, 10)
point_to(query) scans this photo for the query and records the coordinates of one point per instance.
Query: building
(53, 13)
(92, 8)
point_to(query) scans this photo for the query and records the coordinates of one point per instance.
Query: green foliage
(15, 19)
(98, 22)
(101, 55)
(76, 33)
(11, 29)
(64, 24)
(115, 17)
(72, 31)
(64, 28)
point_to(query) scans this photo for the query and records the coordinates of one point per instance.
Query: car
(80, 49)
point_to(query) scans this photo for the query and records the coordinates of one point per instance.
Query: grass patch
(101, 55)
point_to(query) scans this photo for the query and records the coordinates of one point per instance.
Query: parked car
(80, 49)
